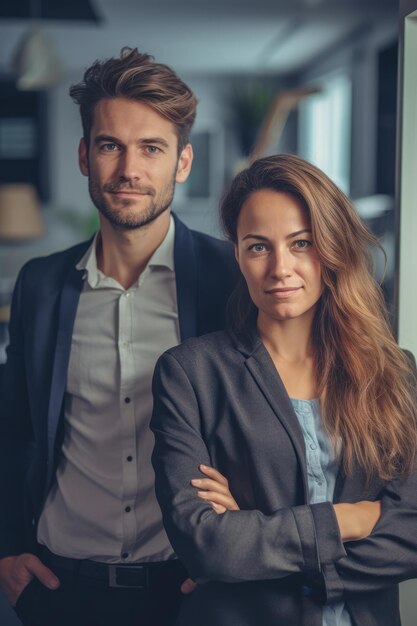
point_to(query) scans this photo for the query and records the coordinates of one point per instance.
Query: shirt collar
(162, 257)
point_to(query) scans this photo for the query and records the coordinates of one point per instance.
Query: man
(82, 540)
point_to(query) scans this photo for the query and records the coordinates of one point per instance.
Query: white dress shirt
(102, 505)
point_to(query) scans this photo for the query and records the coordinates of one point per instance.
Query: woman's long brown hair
(366, 383)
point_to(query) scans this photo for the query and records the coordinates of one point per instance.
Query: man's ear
(184, 164)
(83, 157)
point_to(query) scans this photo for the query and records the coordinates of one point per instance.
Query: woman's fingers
(219, 498)
(214, 474)
(215, 490)
(210, 485)
(219, 508)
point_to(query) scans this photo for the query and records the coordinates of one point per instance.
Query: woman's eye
(257, 247)
(302, 244)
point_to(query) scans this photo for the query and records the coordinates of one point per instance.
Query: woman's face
(277, 257)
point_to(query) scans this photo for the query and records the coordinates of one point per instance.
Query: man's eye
(152, 149)
(108, 147)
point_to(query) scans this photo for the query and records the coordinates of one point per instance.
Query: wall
(407, 327)
(407, 200)
(358, 57)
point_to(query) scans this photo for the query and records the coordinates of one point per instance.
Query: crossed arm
(303, 539)
(356, 520)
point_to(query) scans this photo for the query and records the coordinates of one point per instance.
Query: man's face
(132, 163)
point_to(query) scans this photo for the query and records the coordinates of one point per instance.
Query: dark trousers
(92, 600)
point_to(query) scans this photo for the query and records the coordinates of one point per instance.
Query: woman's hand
(215, 489)
(356, 521)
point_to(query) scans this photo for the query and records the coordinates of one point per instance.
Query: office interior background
(318, 78)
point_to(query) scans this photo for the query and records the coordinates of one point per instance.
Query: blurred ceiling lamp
(20, 214)
(36, 59)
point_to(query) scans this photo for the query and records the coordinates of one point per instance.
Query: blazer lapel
(186, 280)
(68, 304)
(354, 487)
(264, 372)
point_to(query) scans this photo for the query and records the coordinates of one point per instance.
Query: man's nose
(130, 165)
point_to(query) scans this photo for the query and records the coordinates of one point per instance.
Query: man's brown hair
(136, 76)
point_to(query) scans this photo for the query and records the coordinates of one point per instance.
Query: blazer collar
(264, 372)
(186, 279)
(67, 309)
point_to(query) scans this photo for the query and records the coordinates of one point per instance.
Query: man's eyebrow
(155, 140)
(147, 141)
(109, 138)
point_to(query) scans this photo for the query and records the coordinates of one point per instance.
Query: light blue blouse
(322, 469)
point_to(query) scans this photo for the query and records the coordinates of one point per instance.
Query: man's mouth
(129, 191)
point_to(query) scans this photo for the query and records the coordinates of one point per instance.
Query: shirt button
(128, 509)
(125, 555)
(313, 446)
(127, 294)
(127, 400)
(129, 458)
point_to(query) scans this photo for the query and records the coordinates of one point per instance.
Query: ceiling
(198, 36)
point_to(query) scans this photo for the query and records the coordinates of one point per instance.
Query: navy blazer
(43, 311)
(219, 400)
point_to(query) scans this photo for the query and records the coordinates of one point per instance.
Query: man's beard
(123, 218)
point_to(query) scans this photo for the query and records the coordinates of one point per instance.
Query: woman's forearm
(357, 520)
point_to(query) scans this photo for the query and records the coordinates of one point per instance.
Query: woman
(306, 407)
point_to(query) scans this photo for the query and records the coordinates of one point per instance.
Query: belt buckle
(119, 576)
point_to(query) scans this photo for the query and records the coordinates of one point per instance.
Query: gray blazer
(219, 401)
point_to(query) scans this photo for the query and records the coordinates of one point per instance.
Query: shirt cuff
(329, 542)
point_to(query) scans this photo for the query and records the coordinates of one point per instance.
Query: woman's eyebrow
(254, 236)
(298, 232)
(290, 236)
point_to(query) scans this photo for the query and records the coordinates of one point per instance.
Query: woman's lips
(282, 292)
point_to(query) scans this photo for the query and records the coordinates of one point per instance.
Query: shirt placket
(129, 485)
(314, 466)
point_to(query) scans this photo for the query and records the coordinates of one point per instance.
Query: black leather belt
(142, 576)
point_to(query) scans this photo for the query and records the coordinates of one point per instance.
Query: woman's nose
(280, 264)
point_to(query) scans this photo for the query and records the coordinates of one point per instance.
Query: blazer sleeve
(388, 556)
(15, 433)
(236, 546)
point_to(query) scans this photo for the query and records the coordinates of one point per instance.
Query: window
(325, 129)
